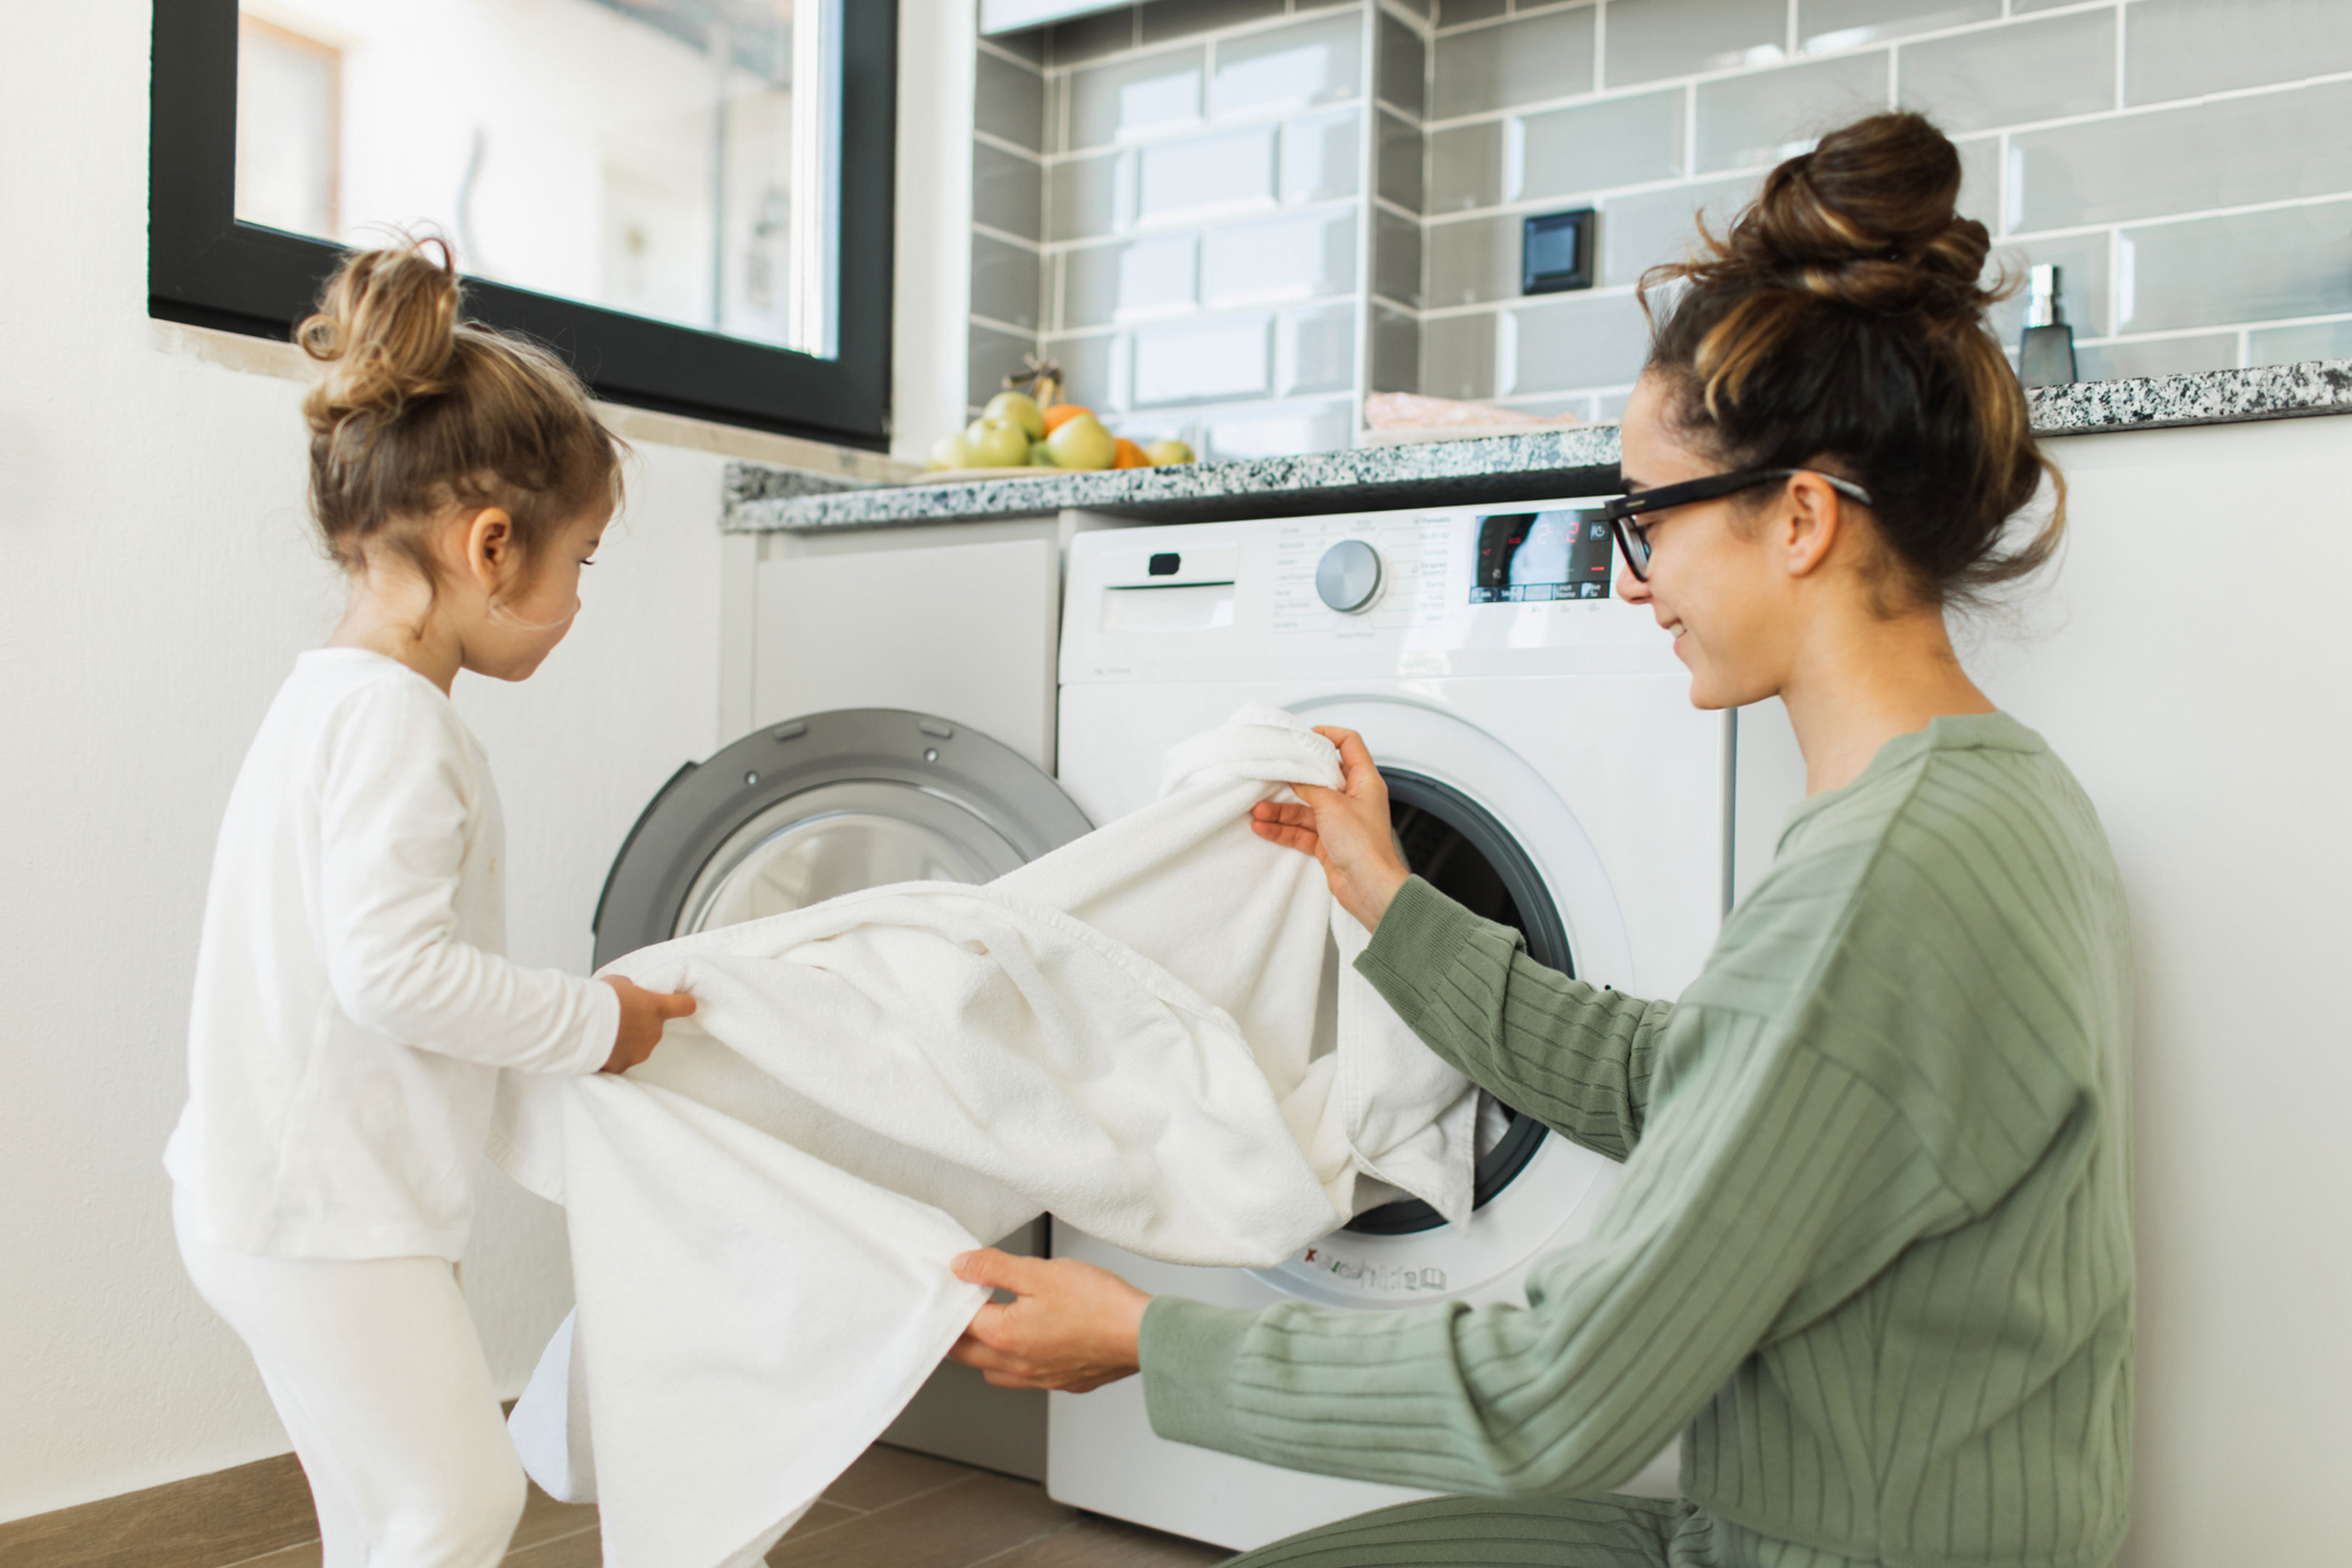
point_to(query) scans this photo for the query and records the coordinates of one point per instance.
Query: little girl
(352, 1010)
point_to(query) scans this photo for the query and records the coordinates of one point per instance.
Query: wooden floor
(892, 1509)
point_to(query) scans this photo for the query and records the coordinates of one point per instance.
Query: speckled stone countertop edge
(762, 498)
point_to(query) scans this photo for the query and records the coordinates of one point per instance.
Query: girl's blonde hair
(420, 411)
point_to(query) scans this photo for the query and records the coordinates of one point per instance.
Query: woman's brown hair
(1841, 322)
(420, 411)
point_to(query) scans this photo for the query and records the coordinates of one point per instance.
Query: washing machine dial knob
(1348, 578)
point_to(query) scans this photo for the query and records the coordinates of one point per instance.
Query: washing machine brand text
(1372, 1276)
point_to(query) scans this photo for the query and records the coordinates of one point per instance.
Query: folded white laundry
(1155, 1032)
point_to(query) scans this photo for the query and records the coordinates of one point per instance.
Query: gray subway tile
(1105, 283)
(991, 355)
(1980, 180)
(1206, 358)
(1396, 258)
(1653, 39)
(1090, 196)
(1132, 97)
(1029, 43)
(1089, 369)
(1319, 156)
(2292, 345)
(1404, 62)
(1455, 13)
(2004, 75)
(1005, 281)
(1395, 350)
(1457, 356)
(1206, 173)
(2159, 356)
(2181, 48)
(1826, 26)
(1302, 66)
(2234, 153)
(1577, 343)
(1167, 19)
(1638, 233)
(1589, 147)
(1399, 161)
(1306, 256)
(1465, 167)
(1009, 101)
(1090, 37)
(1763, 118)
(2083, 285)
(1525, 61)
(1425, 9)
(1007, 190)
(2253, 266)
(2024, 7)
(1315, 350)
(1280, 431)
(1474, 261)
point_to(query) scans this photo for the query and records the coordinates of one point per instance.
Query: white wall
(156, 578)
(2187, 660)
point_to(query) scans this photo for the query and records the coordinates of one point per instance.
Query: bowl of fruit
(1021, 433)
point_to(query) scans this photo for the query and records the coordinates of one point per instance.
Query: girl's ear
(1810, 524)
(493, 555)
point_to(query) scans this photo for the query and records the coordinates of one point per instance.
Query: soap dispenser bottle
(2046, 355)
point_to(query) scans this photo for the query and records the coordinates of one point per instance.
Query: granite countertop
(1534, 465)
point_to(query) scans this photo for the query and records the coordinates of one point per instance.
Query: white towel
(1154, 1031)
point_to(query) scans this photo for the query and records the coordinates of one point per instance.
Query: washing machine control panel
(1524, 588)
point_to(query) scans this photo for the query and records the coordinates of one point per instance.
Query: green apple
(948, 452)
(1167, 452)
(993, 444)
(1082, 443)
(1040, 457)
(1017, 409)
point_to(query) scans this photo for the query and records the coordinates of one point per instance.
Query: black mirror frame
(205, 268)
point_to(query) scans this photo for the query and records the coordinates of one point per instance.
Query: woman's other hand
(1346, 828)
(1072, 1326)
(643, 1014)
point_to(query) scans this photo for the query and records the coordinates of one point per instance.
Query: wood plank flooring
(892, 1509)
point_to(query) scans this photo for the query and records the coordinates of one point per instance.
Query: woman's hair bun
(386, 330)
(1868, 218)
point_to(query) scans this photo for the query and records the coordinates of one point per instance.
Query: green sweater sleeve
(1771, 1184)
(1578, 1057)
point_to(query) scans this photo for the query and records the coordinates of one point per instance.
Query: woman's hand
(1346, 828)
(1074, 1327)
(643, 1014)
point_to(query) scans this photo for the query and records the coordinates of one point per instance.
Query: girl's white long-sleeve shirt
(353, 1009)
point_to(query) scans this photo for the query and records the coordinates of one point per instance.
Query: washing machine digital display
(1538, 556)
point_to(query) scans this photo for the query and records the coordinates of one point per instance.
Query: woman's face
(1716, 582)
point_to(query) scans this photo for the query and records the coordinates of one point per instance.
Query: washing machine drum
(831, 804)
(1457, 845)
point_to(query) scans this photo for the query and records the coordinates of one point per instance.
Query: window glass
(668, 158)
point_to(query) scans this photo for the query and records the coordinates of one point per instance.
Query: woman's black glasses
(1633, 538)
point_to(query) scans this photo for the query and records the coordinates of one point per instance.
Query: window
(688, 198)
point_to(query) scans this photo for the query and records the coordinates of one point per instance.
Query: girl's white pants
(375, 1370)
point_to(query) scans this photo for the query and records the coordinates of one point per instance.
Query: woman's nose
(1630, 588)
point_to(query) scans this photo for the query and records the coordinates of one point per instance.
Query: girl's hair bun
(386, 330)
(1867, 218)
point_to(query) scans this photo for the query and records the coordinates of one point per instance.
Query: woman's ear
(1809, 524)
(493, 555)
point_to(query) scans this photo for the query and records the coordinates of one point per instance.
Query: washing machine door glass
(839, 839)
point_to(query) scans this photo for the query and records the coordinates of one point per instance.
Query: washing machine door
(818, 806)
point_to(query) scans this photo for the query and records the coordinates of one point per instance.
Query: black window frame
(207, 270)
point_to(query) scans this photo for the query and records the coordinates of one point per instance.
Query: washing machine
(1545, 767)
(897, 692)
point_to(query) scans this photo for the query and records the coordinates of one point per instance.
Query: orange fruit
(1062, 412)
(1130, 456)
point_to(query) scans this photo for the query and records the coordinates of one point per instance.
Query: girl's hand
(1346, 828)
(643, 1014)
(1074, 1327)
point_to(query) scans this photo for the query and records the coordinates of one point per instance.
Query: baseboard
(224, 1517)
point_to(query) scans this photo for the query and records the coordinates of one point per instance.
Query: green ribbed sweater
(1870, 1252)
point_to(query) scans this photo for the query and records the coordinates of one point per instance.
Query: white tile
(1304, 257)
(1127, 98)
(1130, 280)
(1301, 67)
(1221, 357)
(1278, 432)
(1320, 159)
(1315, 350)
(1229, 170)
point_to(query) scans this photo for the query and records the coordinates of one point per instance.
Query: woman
(1870, 1253)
